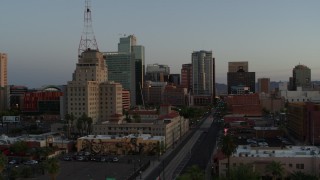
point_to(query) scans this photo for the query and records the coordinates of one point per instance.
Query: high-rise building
(203, 73)
(239, 65)
(127, 67)
(301, 77)
(4, 89)
(90, 92)
(157, 73)
(240, 81)
(139, 59)
(264, 85)
(186, 76)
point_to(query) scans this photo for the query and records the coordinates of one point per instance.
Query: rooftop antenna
(88, 40)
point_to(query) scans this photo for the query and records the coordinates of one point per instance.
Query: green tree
(298, 175)
(228, 147)
(275, 169)
(193, 173)
(79, 125)
(19, 147)
(3, 162)
(89, 123)
(53, 167)
(243, 172)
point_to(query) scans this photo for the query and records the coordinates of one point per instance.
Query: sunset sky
(41, 37)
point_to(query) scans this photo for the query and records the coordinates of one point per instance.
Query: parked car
(13, 161)
(81, 158)
(30, 162)
(67, 158)
(115, 159)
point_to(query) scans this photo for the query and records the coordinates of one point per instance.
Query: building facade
(90, 93)
(157, 73)
(301, 77)
(4, 89)
(292, 158)
(186, 76)
(238, 66)
(127, 67)
(203, 73)
(264, 85)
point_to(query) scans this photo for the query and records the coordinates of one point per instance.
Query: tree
(89, 127)
(298, 175)
(19, 147)
(276, 169)
(228, 147)
(79, 126)
(193, 173)
(3, 162)
(243, 172)
(53, 167)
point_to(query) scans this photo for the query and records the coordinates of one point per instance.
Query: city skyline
(41, 38)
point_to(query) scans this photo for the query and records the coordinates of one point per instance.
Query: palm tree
(3, 162)
(298, 175)
(243, 172)
(52, 166)
(89, 122)
(276, 169)
(228, 147)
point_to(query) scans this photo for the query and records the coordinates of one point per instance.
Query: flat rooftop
(288, 151)
(143, 136)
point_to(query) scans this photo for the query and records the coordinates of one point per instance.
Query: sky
(41, 37)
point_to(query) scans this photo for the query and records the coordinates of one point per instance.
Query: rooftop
(143, 136)
(288, 151)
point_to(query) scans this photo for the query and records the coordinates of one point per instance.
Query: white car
(30, 162)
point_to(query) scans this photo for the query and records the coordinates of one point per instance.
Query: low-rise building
(293, 158)
(168, 124)
(120, 145)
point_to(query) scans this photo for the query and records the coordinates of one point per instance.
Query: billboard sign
(10, 119)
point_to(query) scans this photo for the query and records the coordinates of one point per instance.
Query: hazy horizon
(41, 38)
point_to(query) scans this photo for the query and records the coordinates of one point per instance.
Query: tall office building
(131, 72)
(301, 77)
(186, 76)
(157, 73)
(203, 73)
(239, 80)
(264, 85)
(89, 92)
(4, 89)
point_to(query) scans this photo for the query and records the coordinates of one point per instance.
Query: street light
(140, 174)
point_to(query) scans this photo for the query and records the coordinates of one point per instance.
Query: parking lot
(92, 169)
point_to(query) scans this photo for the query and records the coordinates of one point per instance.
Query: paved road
(171, 165)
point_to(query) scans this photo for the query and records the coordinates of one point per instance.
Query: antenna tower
(88, 40)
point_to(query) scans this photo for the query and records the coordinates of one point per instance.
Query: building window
(290, 165)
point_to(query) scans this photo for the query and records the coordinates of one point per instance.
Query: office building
(4, 89)
(90, 93)
(157, 73)
(186, 76)
(240, 81)
(301, 77)
(127, 67)
(174, 79)
(264, 85)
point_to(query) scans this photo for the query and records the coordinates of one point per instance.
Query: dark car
(67, 158)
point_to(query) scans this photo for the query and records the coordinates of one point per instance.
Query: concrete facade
(293, 158)
(89, 92)
(4, 89)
